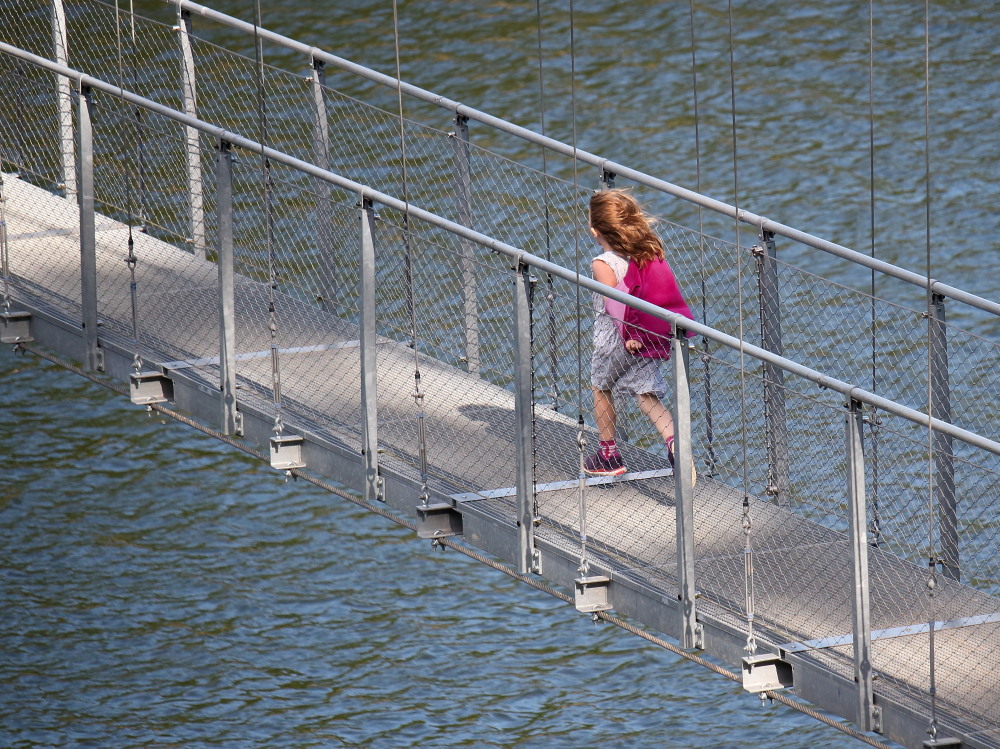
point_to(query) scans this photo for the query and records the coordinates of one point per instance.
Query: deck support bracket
(467, 250)
(524, 422)
(286, 452)
(374, 488)
(861, 630)
(775, 418)
(438, 520)
(15, 327)
(149, 387)
(765, 672)
(592, 594)
(687, 591)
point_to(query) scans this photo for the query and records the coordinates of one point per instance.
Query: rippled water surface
(160, 589)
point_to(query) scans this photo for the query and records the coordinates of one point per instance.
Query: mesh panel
(445, 310)
(27, 143)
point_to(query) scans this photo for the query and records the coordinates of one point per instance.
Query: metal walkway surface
(803, 571)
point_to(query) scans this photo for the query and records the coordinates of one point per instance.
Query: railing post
(324, 212)
(369, 380)
(192, 148)
(93, 356)
(64, 101)
(523, 427)
(684, 490)
(774, 376)
(231, 419)
(463, 212)
(944, 459)
(858, 529)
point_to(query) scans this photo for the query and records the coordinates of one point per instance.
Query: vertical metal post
(369, 380)
(325, 247)
(944, 459)
(192, 148)
(684, 490)
(463, 212)
(64, 101)
(93, 356)
(227, 297)
(774, 376)
(858, 529)
(523, 427)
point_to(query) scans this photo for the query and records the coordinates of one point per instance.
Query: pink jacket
(656, 284)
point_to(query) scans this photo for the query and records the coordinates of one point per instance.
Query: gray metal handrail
(849, 391)
(760, 222)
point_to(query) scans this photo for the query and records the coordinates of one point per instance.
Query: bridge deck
(802, 570)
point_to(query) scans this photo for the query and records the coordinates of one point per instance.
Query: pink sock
(609, 449)
(670, 445)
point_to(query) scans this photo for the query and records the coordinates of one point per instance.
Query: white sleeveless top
(607, 335)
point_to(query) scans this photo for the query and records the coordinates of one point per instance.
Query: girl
(627, 343)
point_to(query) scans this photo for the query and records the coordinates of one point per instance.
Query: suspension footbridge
(417, 339)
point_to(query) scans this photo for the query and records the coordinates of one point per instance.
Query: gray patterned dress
(612, 367)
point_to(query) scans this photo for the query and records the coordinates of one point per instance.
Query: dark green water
(162, 590)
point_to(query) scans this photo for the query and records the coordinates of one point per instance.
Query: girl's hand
(632, 346)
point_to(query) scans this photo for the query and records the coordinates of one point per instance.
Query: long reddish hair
(619, 218)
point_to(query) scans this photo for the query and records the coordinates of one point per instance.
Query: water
(163, 589)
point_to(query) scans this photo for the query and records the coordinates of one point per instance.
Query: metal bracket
(536, 561)
(286, 452)
(876, 719)
(592, 594)
(15, 327)
(438, 520)
(943, 743)
(765, 672)
(146, 388)
(699, 636)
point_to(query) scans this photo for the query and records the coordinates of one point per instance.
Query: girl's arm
(603, 273)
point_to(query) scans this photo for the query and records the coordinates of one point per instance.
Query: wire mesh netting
(29, 128)
(447, 340)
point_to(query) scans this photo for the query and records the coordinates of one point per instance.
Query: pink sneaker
(598, 465)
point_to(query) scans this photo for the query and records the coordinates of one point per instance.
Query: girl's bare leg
(650, 405)
(604, 412)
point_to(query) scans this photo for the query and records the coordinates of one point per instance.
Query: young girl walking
(628, 343)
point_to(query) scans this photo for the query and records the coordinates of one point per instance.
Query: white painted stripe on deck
(886, 634)
(261, 354)
(557, 485)
(99, 226)
(42, 234)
